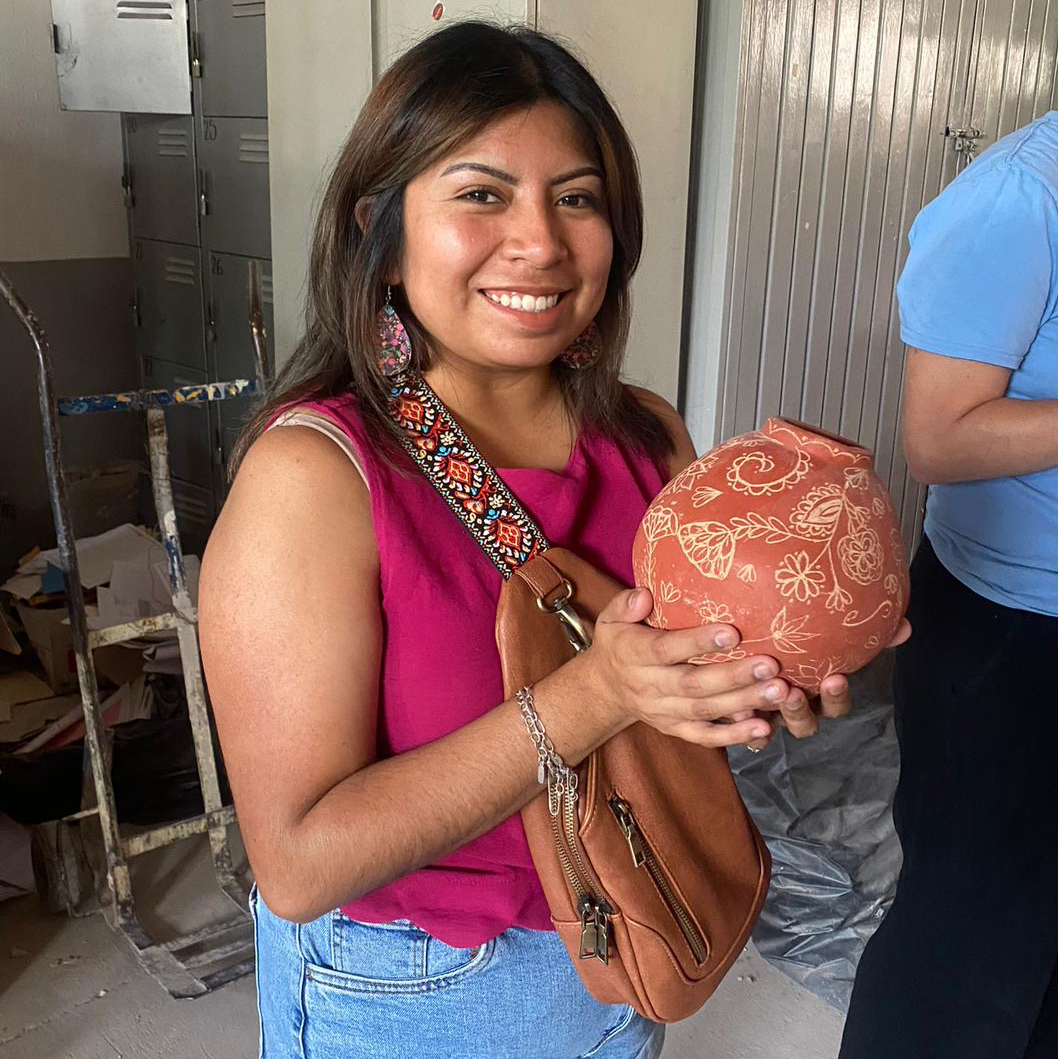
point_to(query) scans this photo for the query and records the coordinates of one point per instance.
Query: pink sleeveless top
(440, 667)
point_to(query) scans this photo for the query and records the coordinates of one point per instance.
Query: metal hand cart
(198, 962)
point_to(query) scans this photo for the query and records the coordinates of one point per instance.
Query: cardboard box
(53, 643)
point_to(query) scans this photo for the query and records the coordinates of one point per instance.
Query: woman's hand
(637, 673)
(801, 715)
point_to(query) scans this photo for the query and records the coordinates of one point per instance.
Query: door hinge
(126, 188)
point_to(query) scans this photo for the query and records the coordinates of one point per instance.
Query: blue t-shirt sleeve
(979, 276)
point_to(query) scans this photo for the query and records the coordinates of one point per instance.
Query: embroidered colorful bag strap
(454, 467)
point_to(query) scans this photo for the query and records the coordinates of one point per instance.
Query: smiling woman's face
(507, 244)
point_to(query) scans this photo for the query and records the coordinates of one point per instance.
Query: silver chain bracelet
(560, 778)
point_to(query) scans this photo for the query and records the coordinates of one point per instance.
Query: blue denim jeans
(336, 988)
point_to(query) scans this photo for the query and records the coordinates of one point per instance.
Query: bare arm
(959, 425)
(291, 642)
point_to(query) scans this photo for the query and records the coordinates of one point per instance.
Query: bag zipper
(592, 907)
(643, 857)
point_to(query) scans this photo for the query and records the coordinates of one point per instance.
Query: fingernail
(762, 671)
(761, 733)
(635, 598)
(773, 692)
(726, 638)
(797, 704)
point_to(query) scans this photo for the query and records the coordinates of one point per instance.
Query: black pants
(963, 966)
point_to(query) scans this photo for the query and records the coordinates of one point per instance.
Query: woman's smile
(528, 308)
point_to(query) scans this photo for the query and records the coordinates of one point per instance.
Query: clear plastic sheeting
(824, 808)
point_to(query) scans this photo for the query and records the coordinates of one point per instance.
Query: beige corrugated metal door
(841, 138)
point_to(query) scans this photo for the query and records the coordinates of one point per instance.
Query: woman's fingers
(672, 647)
(797, 714)
(705, 733)
(902, 634)
(834, 699)
(719, 692)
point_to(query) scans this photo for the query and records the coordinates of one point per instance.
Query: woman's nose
(535, 235)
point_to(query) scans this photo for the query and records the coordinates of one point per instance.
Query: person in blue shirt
(963, 966)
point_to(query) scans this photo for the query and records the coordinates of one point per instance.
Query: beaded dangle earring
(584, 349)
(394, 346)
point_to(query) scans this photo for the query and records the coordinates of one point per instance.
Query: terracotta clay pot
(789, 535)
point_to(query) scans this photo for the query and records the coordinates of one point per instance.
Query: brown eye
(481, 196)
(579, 200)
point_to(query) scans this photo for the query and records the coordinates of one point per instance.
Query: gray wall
(60, 173)
(84, 307)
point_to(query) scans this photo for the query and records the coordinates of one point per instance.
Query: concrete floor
(72, 989)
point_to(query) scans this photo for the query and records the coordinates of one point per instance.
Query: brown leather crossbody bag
(652, 867)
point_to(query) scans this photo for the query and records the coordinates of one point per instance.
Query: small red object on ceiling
(438, 11)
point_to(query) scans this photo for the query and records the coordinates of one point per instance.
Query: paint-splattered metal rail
(141, 400)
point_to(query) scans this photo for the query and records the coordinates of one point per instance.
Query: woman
(489, 196)
(964, 964)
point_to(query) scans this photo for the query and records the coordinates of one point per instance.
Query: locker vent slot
(174, 142)
(180, 270)
(247, 8)
(156, 9)
(189, 507)
(253, 147)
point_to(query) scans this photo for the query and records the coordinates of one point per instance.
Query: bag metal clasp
(572, 624)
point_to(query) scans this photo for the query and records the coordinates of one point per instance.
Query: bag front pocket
(644, 857)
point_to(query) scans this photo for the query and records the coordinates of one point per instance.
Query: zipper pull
(594, 930)
(602, 923)
(589, 931)
(633, 836)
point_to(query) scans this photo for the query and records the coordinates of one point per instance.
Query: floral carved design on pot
(788, 534)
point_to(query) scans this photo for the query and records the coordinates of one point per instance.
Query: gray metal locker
(190, 435)
(196, 511)
(229, 49)
(122, 55)
(233, 158)
(160, 175)
(231, 353)
(169, 303)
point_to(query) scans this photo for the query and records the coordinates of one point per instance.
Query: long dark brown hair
(437, 96)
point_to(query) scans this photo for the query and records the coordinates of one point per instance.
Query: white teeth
(526, 303)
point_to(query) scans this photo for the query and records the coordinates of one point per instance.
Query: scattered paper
(96, 557)
(18, 687)
(131, 702)
(29, 718)
(7, 636)
(163, 658)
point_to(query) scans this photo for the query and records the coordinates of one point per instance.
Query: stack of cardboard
(124, 574)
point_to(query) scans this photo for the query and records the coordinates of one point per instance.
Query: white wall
(717, 91)
(60, 173)
(645, 63)
(319, 73)
(322, 56)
